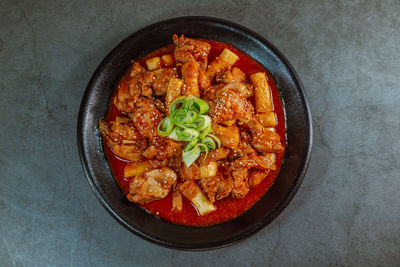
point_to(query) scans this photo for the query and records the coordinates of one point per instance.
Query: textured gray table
(347, 211)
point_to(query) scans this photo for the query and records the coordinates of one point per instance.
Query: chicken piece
(136, 69)
(163, 148)
(141, 84)
(160, 105)
(240, 183)
(229, 105)
(176, 201)
(151, 185)
(254, 160)
(190, 75)
(123, 138)
(214, 155)
(190, 173)
(263, 139)
(232, 75)
(204, 81)
(161, 80)
(217, 187)
(229, 136)
(241, 150)
(146, 119)
(129, 92)
(245, 90)
(188, 49)
(192, 192)
(267, 161)
(256, 177)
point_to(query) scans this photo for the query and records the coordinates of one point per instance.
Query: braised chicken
(245, 131)
(151, 185)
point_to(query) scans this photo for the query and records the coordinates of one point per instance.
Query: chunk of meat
(241, 150)
(254, 160)
(188, 49)
(151, 185)
(141, 84)
(190, 173)
(229, 136)
(136, 69)
(204, 81)
(161, 80)
(244, 90)
(256, 177)
(217, 187)
(229, 105)
(190, 75)
(214, 155)
(240, 183)
(263, 139)
(146, 120)
(123, 138)
(232, 75)
(128, 94)
(164, 149)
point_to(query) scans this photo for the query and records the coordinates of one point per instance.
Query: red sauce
(227, 208)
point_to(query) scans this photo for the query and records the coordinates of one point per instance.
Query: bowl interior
(95, 105)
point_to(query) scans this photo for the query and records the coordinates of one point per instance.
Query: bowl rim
(226, 242)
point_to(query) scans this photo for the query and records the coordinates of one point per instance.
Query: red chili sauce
(229, 207)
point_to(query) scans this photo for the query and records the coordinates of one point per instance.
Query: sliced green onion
(189, 157)
(165, 127)
(173, 135)
(188, 123)
(203, 122)
(183, 134)
(191, 145)
(203, 148)
(174, 105)
(197, 104)
(184, 118)
(206, 131)
(188, 134)
(209, 142)
(216, 139)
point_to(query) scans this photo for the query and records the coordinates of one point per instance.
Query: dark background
(347, 54)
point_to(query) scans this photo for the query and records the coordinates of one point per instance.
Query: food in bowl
(195, 132)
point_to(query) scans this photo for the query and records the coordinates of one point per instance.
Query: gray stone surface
(347, 211)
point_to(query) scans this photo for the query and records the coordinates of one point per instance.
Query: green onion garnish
(187, 122)
(165, 127)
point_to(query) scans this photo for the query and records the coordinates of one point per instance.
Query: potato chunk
(209, 170)
(135, 168)
(168, 60)
(153, 63)
(229, 136)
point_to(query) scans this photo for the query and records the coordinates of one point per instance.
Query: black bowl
(136, 219)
